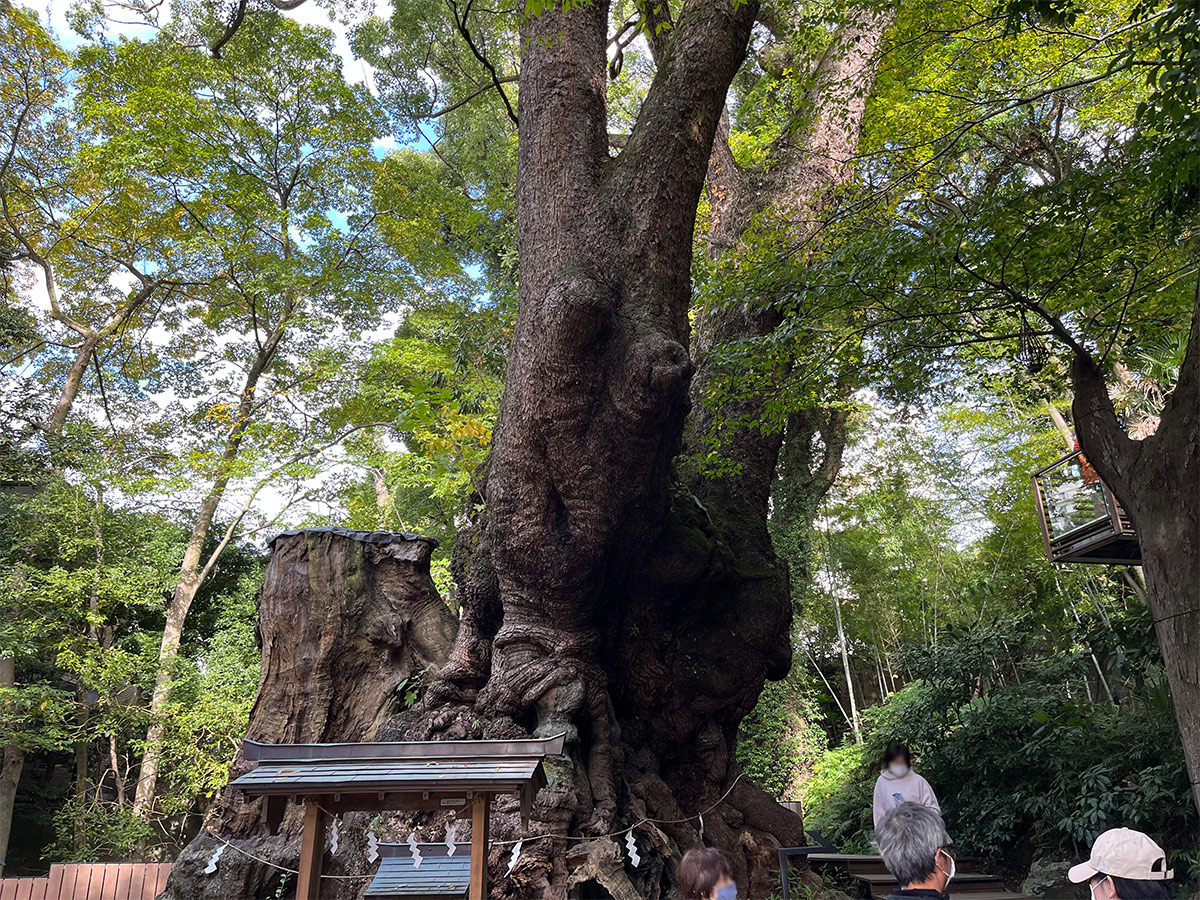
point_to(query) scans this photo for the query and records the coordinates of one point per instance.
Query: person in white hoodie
(898, 783)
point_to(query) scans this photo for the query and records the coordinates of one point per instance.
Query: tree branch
(1101, 437)
(461, 25)
(483, 88)
(230, 30)
(671, 142)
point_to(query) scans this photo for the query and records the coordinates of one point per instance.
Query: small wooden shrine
(1082, 522)
(336, 778)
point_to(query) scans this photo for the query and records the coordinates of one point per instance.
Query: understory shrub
(88, 830)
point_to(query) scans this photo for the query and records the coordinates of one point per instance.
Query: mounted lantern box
(1082, 522)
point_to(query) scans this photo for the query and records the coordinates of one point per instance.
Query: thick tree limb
(1108, 447)
(672, 139)
(1179, 406)
(461, 24)
(230, 30)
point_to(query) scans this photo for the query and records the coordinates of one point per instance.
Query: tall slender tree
(260, 157)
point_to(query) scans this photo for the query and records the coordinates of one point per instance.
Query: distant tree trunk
(114, 763)
(10, 771)
(383, 498)
(191, 575)
(1068, 435)
(1157, 481)
(73, 382)
(845, 651)
(82, 779)
(344, 619)
(10, 777)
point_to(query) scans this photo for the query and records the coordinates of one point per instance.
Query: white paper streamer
(416, 851)
(333, 837)
(212, 862)
(512, 862)
(450, 845)
(631, 846)
(701, 827)
(372, 847)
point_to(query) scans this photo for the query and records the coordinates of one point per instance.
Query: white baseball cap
(1126, 854)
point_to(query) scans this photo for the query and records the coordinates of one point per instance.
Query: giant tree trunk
(603, 598)
(345, 617)
(596, 601)
(1157, 481)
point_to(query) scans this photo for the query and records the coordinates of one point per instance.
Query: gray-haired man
(914, 845)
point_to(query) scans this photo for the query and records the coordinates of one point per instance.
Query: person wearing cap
(915, 848)
(1125, 865)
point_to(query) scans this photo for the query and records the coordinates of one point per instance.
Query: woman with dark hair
(707, 874)
(898, 783)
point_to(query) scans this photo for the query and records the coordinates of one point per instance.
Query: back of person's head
(1140, 889)
(909, 838)
(700, 871)
(1135, 865)
(897, 750)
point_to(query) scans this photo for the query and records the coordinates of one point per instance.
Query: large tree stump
(345, 618)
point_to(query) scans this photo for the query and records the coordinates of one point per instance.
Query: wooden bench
(875, 882)
(91, 881)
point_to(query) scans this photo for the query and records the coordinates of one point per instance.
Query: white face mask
(898, 769)
(953, 871)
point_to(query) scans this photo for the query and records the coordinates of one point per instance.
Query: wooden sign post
(480, 809)
(312, 850)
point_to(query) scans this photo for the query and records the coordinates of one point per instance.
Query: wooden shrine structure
(1081, 520)
(446, 775)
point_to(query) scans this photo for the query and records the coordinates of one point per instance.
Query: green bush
(837, 799)
(94, 831)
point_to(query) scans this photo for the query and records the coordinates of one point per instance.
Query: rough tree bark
(637, 612)
(1157, 481)
(807, 164)
(344, 619)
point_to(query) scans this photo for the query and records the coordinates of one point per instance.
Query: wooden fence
(91, 881)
